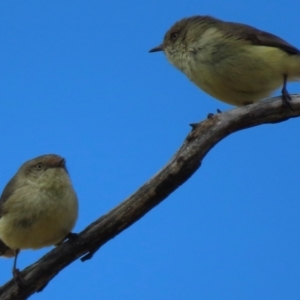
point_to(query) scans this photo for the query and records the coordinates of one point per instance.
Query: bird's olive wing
(7, 192)
(263, 38)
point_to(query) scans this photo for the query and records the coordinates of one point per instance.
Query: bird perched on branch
(233, 62)
(38, 207)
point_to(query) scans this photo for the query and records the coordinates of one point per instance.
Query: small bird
(38, 207)
(235, 63)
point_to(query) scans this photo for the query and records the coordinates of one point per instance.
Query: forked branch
(182, 165)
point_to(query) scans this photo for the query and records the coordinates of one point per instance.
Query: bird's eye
(39, 166)
(174, 36)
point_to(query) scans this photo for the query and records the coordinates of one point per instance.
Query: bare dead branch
(184, 163)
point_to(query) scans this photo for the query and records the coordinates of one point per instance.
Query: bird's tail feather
(6, 251)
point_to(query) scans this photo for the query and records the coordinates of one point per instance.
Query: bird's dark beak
(158, 48)
(62, 163)
(57, 162)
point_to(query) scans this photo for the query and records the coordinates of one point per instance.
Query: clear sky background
(77, 80)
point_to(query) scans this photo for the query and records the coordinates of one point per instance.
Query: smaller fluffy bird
(235, 63)
(38, 207)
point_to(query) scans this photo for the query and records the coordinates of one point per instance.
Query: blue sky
(77, 80)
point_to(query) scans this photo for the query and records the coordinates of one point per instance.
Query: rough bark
(182, 165)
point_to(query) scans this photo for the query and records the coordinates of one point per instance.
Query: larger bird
(233, 62)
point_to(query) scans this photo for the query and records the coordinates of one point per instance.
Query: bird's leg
(286, 97)
(71, 236)
(15, 271)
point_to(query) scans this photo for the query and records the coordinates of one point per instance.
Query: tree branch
(184, 164)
